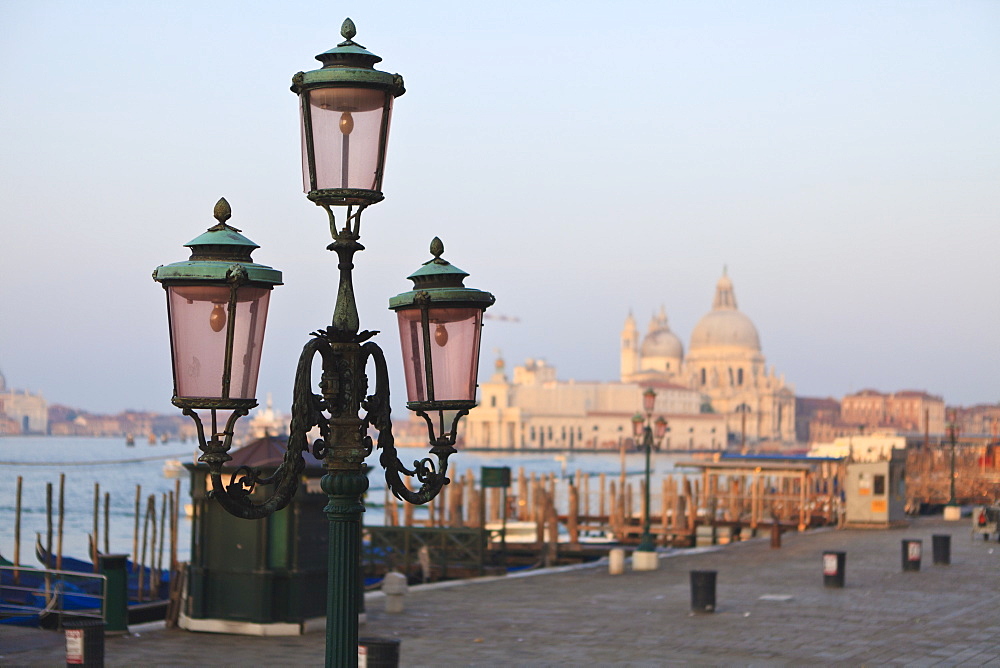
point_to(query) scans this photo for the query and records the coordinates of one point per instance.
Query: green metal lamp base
(646, 544)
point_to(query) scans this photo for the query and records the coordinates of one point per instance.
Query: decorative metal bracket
(432, 474)
(235, 496)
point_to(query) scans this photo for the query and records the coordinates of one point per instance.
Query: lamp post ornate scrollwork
(217, 307)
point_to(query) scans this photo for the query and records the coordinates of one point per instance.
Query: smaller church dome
(660, 341)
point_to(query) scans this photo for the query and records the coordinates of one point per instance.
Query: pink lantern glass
(454, 359)
(649, 400)
(660, 427)
(346, 133)
(200, 324)
(637, 425)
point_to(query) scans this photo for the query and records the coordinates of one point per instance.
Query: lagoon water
(118, 468)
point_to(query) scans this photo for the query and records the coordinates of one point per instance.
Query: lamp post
(217, 306)
(743, 409)
(651, 432)
(951, 436)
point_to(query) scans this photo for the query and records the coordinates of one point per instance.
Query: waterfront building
(817, 420)
(724, 363)
(535, 410)
(911, 411)
(21, 411)
(266, 422)
(871, 448)
(980, 420)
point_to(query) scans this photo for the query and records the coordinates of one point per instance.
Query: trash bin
(84, 642)
(833, 569)
(912, 550)
(378, 652)
(941, 547)
(116, 601)
(703, 591)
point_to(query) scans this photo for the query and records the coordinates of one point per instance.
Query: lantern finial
(348, 30)
(223, 211)
(437, 250)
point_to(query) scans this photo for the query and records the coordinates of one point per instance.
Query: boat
(516, 531)
(162, 591)
(520, 531)
(36, 598)
(172, 468)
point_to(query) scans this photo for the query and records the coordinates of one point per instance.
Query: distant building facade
(266, 422)
(534, 410)
(812, 414)
(907, 411)
(982, 420)
(724, 363)
(873, 448)
(821, 421)
(22, 412)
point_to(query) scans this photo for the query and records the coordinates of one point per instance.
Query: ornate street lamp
(952, 429)
(651, 432)
(217, 308)
(440, 321)
(345, 108)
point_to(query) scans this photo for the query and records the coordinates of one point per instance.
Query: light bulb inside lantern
(441, 336)
(217, 321)
(346, 123)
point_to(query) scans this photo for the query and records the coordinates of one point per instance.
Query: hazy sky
(579, 159)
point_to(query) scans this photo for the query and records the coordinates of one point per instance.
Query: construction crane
(501, 317)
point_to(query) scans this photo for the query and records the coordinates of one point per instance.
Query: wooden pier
(582, 509)
(977, 474)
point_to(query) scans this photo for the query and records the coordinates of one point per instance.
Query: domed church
(724, 362)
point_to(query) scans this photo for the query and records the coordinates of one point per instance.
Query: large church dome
(725, 325)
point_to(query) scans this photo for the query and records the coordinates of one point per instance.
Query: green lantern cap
(348, 64)
(220, 254)
(442, 283)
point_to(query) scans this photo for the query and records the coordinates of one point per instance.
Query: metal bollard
(395, 587)
(645, 561)
(378, 652)
(703, 591)
(775, 535)
(616, 561)
(84, 642)
(912, 551)
(833, 569)
(941, 548)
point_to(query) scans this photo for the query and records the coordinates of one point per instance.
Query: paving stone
(584, 616)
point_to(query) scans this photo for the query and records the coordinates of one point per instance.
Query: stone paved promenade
(772, 611)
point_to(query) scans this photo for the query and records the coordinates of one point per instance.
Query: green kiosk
(265, 577)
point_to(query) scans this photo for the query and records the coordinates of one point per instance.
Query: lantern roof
(348, 64)
(220, 254)
(442, 283)
(221, 235)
